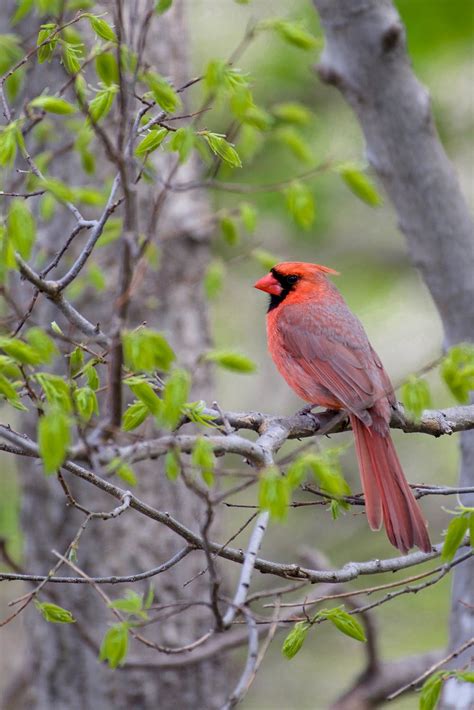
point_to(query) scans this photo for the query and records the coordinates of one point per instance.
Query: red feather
(323, 352)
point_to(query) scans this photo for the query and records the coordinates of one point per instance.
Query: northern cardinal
(323, 352)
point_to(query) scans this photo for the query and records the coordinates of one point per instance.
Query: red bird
(323, 352)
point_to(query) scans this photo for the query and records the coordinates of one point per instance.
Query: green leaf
(134, 415)
(214, 279)
(147, 350)
(457, 528)
(248, 215)
(219, 75)
(91, 375)
(325, 467)
(145, 393)
(72, 54)
(295, 142)
(471, 529)
(457, 370)
(222, 148)
(20, 351)
(204, 459)
(172, 466)
(58, 189)
(295, 639)
(274, 493)
(130, 603)
(114, 647)
(102, 102)
(182, 141)
(466, 676)
(8, 144)
(45, 53)
(21, 228)
(264, 258)
(300, 203)
(24, 7)
(292, 112)
(56, 389)
(86, 403)
(430, 692)
(162, 6)
(54, 613)
(345, 622)
(194, 411)
(76, 361)
(416, 397)
(102, 29)
(230, 360)
(54, 437)
(107, 68)
(42, 343)
(126, 473)
(360, 184)
(175, 396)
(229, 230)
(151, 141)
(293, 32)
(163, 93)
(8, 391)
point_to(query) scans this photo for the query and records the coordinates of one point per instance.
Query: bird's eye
(291, 279)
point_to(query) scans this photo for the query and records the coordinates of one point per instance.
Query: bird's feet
(306, 410)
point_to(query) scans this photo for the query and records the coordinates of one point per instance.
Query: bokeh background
(378, 281)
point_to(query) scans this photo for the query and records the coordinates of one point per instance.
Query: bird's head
(291, 276)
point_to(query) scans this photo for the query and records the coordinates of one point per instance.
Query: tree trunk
(63, 667)
(365, 58)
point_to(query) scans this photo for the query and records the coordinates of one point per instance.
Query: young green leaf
(274, 493)
(102, 102)
(42, 343)
(45, 52)
(457, 528)
(53, 438)
(76, 361)
(21, 228)
(175, 396)
(295, 142)
(145, 392)
(114, 646)
(222, 148)
(172, 466)
(20, 351)
(292, 112)
(147, 350)
(130, 603)
(8, 145)
(264, 258)
(214, 279)
(360, 184)
(345, 622)
(294, 33)
(431, 691)
(72, 54)
(54, 614)
(182, 141)
(102, 29)
(134, 415)
(457, 370)
(229, 230)
(56, 390)
(86, 403)
(151, 141)
(8, 391)
(91, 375)
(295, 639)
(416, 396)
(107, 68)
(163, 93)
(300, 203)
(52, 104)
(204, 459)
(162, 6)
(248, 215)
(230, 360)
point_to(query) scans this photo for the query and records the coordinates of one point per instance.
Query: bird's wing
(330, 345)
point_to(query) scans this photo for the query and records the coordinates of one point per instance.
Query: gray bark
(63, 669)
(365, 58)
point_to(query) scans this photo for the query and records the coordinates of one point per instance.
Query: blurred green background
(380, 285)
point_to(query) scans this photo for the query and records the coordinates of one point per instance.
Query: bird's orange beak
(269, 284)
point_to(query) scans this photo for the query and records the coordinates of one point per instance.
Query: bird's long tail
(388, 497)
